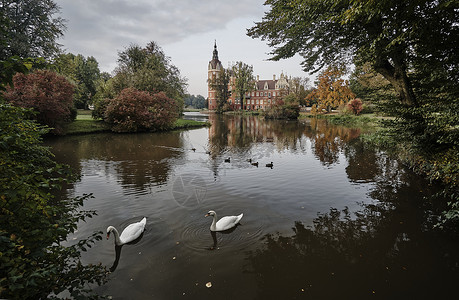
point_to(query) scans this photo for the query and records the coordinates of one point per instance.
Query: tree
(355, 106)
(197, 102)
(149, 69)
(33, 222)
(370, 86)
(220, 84)
(83, 72)
(243, 80)
(30, 28)
(332, 91)
(133, 110)
(391, 35)
(50, 94)
(299, 88)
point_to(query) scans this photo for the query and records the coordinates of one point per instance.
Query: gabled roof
(271, 84)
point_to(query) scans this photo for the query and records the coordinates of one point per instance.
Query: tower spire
(215, 54)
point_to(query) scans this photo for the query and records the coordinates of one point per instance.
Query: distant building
(263, 96)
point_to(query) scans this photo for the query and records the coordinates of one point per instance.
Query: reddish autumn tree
(135, 110)
(355, 106)
(48, 93)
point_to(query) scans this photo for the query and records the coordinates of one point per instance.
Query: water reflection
(118, 252)
(137, 160)
(369, 254)
(381, 246)
(241, 133)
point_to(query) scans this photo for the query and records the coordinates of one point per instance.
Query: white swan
(129, 234)
(224, 223)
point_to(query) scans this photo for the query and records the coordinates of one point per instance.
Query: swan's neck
(117, 237)
(213, 226)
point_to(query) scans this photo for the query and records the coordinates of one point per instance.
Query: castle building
(265, 93)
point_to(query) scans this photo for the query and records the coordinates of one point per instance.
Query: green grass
(83, 126)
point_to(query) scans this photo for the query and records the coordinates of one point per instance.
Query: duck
(208, 152)
(249, 160)
(228, 159)
(224, 223)
(255, 164)
(194, 149)
(129, 234)
(270, 165)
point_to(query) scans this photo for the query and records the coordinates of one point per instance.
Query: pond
(330, 219)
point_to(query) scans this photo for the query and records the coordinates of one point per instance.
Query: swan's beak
(108, 235)
(206, 215)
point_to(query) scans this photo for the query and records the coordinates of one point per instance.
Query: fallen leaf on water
(209, 284)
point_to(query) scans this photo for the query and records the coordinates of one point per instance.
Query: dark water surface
(330, 220)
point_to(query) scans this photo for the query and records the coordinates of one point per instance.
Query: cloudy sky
(185, 29)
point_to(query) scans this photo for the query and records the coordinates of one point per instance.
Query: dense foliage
(355, 106)
(83, 72)
(220, 84)
(390, 35)
(33, 223)
(332, 91)
(51, 95)
(29, 28)
(283, 111)
(198, 102)
(243, 81)
(135, 110)
(149, 69)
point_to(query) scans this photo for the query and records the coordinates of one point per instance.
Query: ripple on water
(197, 237)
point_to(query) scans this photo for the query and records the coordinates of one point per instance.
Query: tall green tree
(220, 84)
(149, 69)
(83, 72)
(243, 80)
(30, 28)
(391, 35)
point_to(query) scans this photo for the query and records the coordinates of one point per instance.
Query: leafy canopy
(393, 36)
(30, 28)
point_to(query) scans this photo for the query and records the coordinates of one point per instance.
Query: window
(257, 101)
(210, 102)
(257, 94)
(265, 94)
(253, 94)
(274, 94)
(269, 94)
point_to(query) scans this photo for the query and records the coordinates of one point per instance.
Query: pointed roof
(215, 63)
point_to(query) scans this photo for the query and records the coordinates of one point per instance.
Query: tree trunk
(397, 76)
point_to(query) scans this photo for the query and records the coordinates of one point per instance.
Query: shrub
(135, 110)
(355, 106)
(285, 111)
(48, 93)
(34, 223)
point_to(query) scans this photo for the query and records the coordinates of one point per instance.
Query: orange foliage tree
(332, 91)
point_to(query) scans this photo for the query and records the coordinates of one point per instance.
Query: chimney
(274, 77)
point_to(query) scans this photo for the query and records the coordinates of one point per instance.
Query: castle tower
(212, 72)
